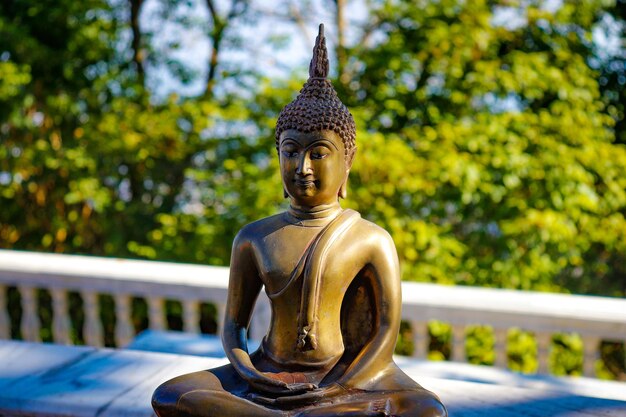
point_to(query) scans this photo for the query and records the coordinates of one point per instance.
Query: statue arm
(378, 351)
(244, 287)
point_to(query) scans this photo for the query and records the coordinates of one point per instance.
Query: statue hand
(263, 383)
(309, 397)
(275, 384)
(288, 377)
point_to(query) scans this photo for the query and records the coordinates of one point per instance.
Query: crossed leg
(379, 404)
(221, 392)
(207, 394)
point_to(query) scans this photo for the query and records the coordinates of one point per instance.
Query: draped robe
(209, 393)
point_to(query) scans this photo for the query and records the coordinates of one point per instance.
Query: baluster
(219, 319)
(458, 343)
(421, 339)
(123, 327)
(500, 345)
(544, 341)
(30, 320)
(191, 316)
(92, 328)
(60, 318)
(156, 315)
(5, 323)
(261, 318)
(591, 346)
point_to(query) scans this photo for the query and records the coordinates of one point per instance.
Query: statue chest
(280, 252)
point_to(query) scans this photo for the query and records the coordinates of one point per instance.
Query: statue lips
(305, 182)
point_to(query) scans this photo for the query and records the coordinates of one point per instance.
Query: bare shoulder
(253, 232)
(374, 237)
(370, 230)
(376, 248)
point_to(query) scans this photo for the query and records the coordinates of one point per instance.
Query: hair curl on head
(317, 107)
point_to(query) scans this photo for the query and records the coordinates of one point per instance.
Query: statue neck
(317, 216)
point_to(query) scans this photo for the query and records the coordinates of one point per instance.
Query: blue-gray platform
(53, 380)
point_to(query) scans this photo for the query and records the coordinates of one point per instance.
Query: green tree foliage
(486, 133)
(612, 64)
(485, 146)
(491, 157)
(51, 56)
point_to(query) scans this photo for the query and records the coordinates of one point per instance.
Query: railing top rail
(114, 276)
(529, 303)
(58, 265)
(426, 301)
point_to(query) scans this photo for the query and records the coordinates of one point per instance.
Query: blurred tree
(485, 145)
(89, 164)
(611, 62)
(486, 138)
(55, 57)
(489, 152)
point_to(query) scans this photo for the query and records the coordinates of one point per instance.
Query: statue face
(312, 166)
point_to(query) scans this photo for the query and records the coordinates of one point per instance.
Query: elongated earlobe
(343, 190)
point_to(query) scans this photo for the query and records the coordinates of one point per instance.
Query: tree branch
(237, 8)
(216, 38)
(342, 58)
(138, 55)
(296, 17)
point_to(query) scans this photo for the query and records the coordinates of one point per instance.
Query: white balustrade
(30, 319)
(591, 346)
(500, 347)
(421, 338)
(5, 323)
(219, 317)
(458, 343)
(544, 342)
(156, 313)
(545, 314)
(259, 325)
(191, 316)
(92, 327)
(123, 327)
(60, 317)
(594, 318)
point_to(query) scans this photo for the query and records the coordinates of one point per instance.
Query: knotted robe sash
(310, 267)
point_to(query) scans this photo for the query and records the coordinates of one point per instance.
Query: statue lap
(220, 392)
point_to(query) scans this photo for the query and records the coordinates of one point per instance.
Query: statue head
(318, 112)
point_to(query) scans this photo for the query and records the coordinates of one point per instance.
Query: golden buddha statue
(334, 285)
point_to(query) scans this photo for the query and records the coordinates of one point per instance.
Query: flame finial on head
(319, 63)
(317, 107)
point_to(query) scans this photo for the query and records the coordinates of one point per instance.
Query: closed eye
(316, 155)
(319, 152)
(289, 154)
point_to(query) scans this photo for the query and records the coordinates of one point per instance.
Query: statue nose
(304, 165)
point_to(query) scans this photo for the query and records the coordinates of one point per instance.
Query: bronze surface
(334, 285)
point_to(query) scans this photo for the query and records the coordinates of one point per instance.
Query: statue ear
(343, 190)
(285, 195)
